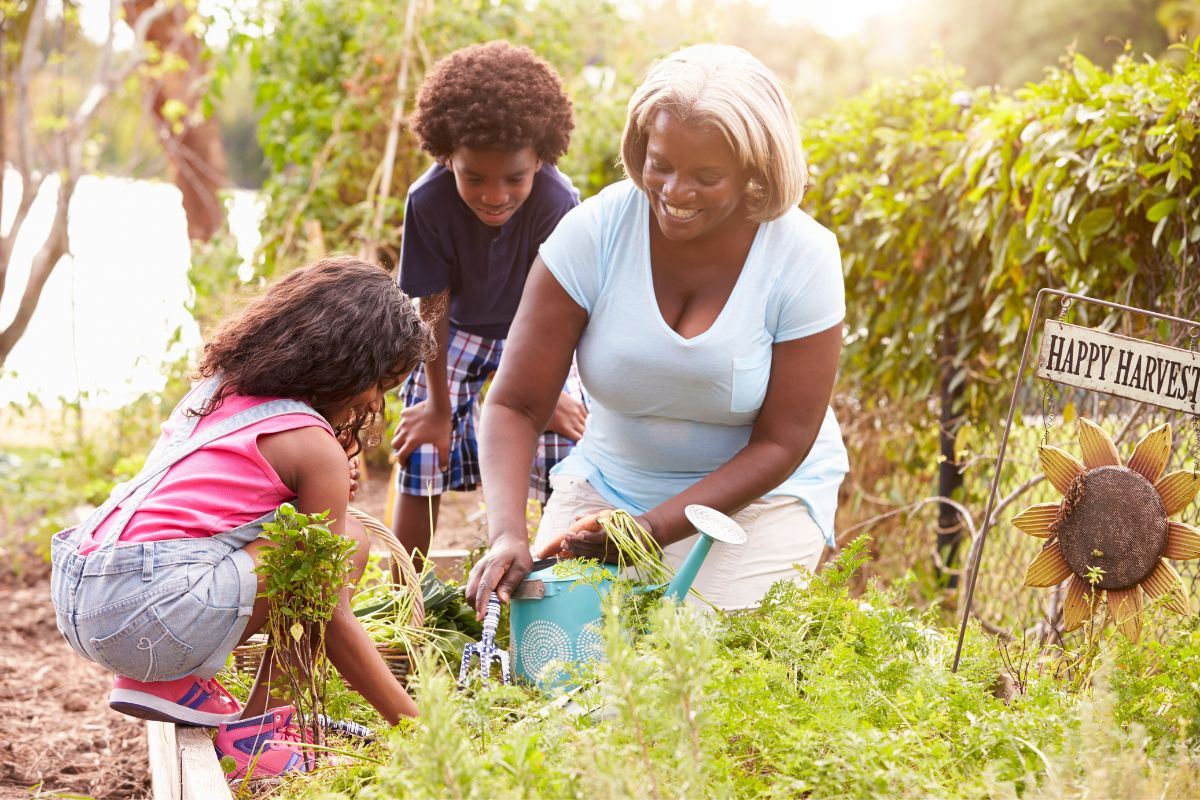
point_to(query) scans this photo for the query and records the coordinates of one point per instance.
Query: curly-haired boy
(496, 119)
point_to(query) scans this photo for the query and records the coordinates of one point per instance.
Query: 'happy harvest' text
(1114, 364)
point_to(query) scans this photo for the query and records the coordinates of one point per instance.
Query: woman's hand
(353, 477)
(569, 418)
(502, 568)
(421, 423)
(586, 538)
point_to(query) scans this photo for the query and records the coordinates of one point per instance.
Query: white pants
(779, 533)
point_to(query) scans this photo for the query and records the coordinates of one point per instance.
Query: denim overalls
(157, 611)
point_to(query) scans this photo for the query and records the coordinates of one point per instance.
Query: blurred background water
(114, 311)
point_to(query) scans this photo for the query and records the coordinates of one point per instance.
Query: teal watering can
(554, 620)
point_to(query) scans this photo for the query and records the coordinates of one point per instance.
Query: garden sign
(1147, 372)
(1114, 517)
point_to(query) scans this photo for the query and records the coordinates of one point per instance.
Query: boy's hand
(421, 424)
(353, 477)
(569, 418)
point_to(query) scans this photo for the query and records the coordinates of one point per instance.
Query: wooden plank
(183, 764)
(1148, 372)
(448, 564)
(199, 768)
(165, 782)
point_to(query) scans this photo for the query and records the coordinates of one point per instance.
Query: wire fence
(1002, 602)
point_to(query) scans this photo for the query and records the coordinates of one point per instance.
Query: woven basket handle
(400, 558)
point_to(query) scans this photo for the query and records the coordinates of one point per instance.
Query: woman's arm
(537, 357)
(801, 383)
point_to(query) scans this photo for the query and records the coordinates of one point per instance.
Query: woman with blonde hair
(706, 313)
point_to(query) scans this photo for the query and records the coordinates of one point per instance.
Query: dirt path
(59, 735)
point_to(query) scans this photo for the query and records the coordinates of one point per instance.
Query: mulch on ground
(59, 736)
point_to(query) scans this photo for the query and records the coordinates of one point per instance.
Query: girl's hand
(353, 477)
(569, 418)
(421, 424)
(503, 566)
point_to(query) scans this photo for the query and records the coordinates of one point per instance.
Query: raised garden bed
(183, 764)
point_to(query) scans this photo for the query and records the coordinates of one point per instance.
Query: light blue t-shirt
(667, 411)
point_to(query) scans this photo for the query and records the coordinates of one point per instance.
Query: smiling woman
(705, 312)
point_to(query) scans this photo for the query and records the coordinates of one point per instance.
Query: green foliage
(954, 207)
(326, 82)
(815, 693)
(1157, 687)
(305, 566)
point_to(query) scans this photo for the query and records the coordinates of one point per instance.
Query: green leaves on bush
(815, 693)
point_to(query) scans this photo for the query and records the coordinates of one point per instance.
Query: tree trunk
(950, 479)
(53, 248)
(191, 142)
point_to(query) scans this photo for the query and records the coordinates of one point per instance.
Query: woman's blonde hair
(733, 91)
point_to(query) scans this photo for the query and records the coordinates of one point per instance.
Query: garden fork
(486, 648)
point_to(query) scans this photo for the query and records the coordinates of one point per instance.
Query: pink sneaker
(188, 701)
(262, 747)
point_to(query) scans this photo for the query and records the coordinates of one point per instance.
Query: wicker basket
(248, 656)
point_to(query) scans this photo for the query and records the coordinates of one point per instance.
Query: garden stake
(486, 648)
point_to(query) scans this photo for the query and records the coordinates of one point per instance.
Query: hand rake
(486, 649)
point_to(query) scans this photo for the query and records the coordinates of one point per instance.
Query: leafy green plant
(815, 693)
(386, 612)
(305, 566)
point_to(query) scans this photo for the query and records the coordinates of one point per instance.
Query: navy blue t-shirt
(445, 246)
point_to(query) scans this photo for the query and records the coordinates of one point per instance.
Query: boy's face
(494, 183)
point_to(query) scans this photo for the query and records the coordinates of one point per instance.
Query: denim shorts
(155, 611)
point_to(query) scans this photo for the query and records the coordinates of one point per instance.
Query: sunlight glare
(838, 19)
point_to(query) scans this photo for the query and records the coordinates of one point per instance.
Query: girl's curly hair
(322, 334)
(493, 96)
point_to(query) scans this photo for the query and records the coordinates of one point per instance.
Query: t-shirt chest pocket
(749, 382)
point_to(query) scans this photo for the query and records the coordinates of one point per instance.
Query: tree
(175, 83)
(48, 147)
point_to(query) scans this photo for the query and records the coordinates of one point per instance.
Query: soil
(60, 736)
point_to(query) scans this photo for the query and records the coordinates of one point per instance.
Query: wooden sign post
(1096, 360)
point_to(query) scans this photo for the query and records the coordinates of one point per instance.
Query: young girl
(158, 584)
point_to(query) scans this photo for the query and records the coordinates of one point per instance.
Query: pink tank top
(222, 485)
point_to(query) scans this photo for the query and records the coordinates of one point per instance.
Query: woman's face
(693, 180)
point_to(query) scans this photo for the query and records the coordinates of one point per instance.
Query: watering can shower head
(714, 524)
(713, 527)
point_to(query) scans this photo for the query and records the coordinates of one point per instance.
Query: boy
(496, 119)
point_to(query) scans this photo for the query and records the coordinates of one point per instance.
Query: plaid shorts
(470, 360)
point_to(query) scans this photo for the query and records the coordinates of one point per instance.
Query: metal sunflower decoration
(1111, 533)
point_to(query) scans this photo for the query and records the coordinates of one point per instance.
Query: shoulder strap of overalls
(181, 444)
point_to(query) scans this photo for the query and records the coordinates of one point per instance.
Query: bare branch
(393, 137)
(968, 520)
(53, 249)
(105, 62)
(29, 54)
(107, 83)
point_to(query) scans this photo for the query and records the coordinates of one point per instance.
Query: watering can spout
(713, 526)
